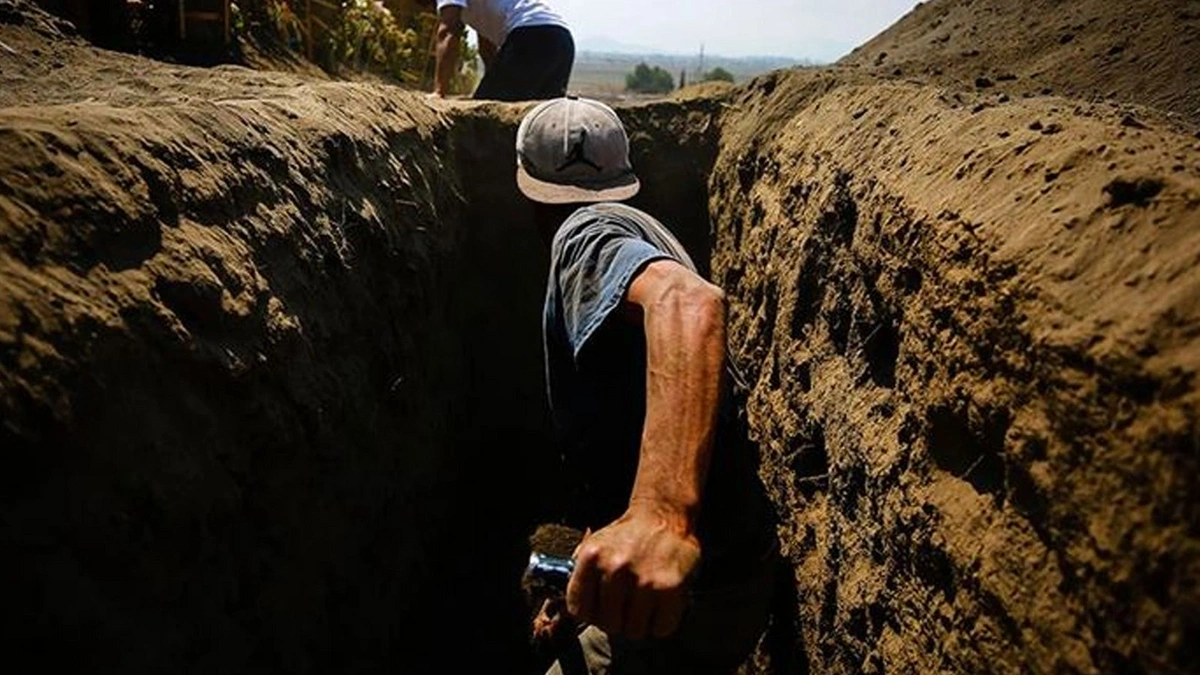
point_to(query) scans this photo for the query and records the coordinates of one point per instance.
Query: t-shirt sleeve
(593, 261)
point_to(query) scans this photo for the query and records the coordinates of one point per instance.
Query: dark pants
(534, 63)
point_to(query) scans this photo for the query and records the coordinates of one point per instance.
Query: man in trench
(675, 573)
(526, 47)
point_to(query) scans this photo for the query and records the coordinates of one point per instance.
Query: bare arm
(487, 51)
(684, 319)
(630, 575)
(449, 28)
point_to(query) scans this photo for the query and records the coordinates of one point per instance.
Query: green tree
(718, 74)
(649, 80)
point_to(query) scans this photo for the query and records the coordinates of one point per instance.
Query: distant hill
(741, 63)
(607, 45)
(602, 73)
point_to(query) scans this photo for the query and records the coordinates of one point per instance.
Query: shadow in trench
(783, 644)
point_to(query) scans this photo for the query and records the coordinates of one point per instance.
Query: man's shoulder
(601, 211)
(618, 208)
(642, 225)
(609, 216)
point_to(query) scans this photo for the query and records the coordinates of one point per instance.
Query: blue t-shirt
(596, 382)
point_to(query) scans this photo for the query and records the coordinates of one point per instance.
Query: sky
(816, 30)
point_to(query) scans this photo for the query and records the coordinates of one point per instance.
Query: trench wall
(266, 358)
(271, 384)
(970, 324)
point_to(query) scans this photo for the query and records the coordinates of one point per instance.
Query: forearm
(447, 53)
(685, 337)
(630, 576)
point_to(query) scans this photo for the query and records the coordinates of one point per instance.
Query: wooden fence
(318, 18)
(209, 21)
(216, 12)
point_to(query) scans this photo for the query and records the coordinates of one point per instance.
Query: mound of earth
(971, 328)
(270, 363)
(1143, 52)
(47, 64)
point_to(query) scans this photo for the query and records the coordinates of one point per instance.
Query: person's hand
(549, 620)
(630, 577)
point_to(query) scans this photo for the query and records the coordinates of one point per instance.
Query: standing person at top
(527, 48)
(676, 571)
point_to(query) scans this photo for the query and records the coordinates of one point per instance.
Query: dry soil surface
(1143, 52)
(270, 371)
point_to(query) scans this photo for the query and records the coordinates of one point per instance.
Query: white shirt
(495, 19)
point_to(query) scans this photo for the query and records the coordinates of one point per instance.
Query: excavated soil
(270, 368)
(1141, 52)
(972, 329)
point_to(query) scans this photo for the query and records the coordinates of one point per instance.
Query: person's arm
(449, 28)
(487, 52)
(630, 576)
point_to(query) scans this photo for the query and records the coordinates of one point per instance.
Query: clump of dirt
(47, 64)
(1141, 52)
(25, 14)
(258, 53)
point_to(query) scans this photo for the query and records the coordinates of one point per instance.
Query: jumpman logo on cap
(576, 156)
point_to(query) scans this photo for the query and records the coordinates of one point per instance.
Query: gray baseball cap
(574, 150)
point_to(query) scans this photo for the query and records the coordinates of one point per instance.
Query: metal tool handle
(551, 570)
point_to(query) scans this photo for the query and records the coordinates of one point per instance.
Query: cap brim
(555, 193)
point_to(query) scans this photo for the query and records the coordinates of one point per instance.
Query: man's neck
(549, 217)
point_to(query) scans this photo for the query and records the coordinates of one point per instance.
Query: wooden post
(182, 20)
(228, 18)
(308, 18)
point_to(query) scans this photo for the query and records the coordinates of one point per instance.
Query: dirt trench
(272, 382)
(271, 371)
